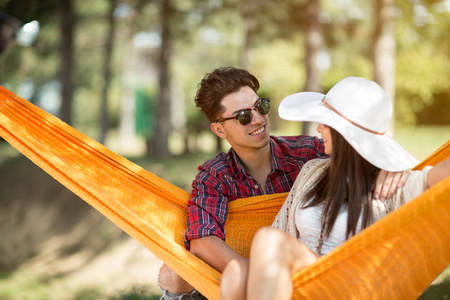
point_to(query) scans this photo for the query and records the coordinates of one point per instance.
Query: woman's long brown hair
(347, 181)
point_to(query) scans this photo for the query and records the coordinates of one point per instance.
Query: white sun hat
(360, 111)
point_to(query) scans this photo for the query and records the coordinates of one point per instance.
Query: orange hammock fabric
(396, 258)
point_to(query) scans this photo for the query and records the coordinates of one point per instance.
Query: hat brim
(380, 150)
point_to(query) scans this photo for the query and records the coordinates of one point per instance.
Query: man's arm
(215, 252)
(207, 214)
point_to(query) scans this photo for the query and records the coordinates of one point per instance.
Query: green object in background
(145, 116)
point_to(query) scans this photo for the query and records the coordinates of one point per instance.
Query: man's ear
(218, 130)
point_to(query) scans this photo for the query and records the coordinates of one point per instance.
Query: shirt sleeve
(319, 148)
(415, 185)
(207, 208)
(310, 147)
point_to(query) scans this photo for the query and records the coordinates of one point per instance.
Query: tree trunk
(248, 8)
(104, 117)
(66, 15)
(163, 128)
(384, 49)
(314, 43)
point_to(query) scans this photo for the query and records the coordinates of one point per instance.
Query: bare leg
(172, 282)
(234, 281)
(274, 257)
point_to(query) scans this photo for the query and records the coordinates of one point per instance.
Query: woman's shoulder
(315, 164)
(312, 170)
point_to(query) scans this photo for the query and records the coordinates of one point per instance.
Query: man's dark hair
(219, 84)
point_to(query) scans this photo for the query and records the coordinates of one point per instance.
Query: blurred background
(125, 73)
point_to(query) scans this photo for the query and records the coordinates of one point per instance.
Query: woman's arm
(438, 173)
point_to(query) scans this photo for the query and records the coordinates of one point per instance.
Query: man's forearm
(215, 252)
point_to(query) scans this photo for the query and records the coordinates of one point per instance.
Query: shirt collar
(278, 161)
(237, 165)
(278, 157)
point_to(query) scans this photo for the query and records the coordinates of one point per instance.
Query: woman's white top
(306, 223)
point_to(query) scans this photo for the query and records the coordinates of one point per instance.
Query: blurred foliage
(210, 34)
(423, 66)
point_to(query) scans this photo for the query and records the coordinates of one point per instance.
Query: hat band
(324, 101)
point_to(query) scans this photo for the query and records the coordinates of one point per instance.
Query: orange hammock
(397, 257)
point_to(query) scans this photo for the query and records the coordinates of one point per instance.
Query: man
(256, 164)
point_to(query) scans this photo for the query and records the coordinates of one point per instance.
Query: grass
(440, 289)
(179, 170)
(136, 294)
(422, 141)
(14, 287)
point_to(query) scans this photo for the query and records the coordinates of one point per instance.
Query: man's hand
(388, 182)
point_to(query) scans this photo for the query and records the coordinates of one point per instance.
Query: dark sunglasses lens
(263, 107)
(245, 117)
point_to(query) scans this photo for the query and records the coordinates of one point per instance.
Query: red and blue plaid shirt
(223, 179)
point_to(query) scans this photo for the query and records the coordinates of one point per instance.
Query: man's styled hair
(219, 84)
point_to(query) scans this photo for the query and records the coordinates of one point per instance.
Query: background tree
(207, 34)
(67, 59)
(248, 13)
(109, 45)
(314, 43)
(129, 73)
(163, 127)
(384, 49)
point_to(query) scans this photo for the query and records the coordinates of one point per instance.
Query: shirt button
(256, 187)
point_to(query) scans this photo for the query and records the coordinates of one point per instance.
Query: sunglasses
(245, 117)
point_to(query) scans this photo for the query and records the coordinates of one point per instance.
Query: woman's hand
(388, 182)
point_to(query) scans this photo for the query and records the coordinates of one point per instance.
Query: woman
(331, 199)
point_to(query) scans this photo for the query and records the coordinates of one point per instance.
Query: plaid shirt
(223, 179)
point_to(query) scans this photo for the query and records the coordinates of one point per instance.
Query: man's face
(254, 135)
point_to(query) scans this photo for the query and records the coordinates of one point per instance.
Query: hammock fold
(397, 257)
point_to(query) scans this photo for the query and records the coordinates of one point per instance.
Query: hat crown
(360, 111)
(346, 97)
